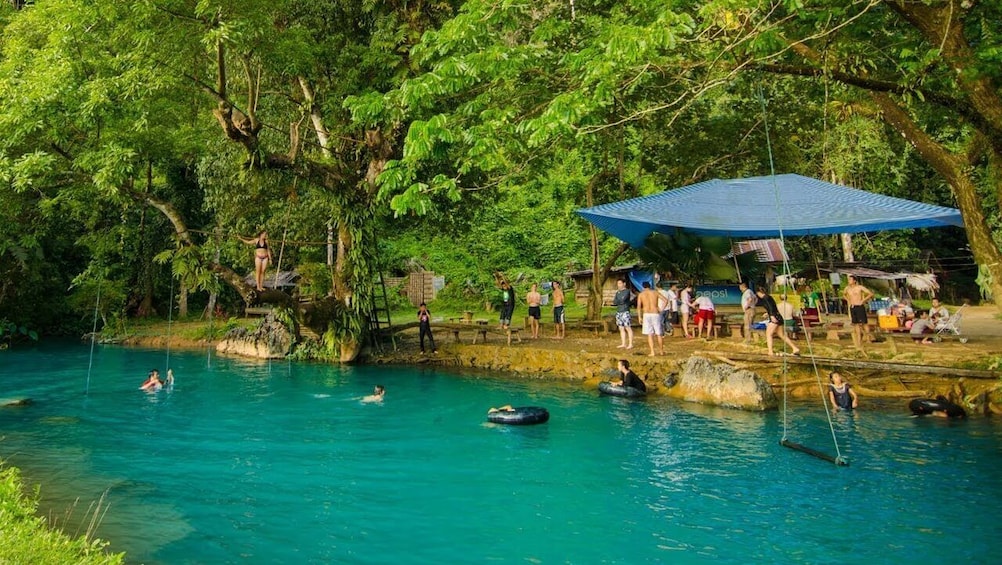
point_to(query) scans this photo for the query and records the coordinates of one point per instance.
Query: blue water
(250, 462)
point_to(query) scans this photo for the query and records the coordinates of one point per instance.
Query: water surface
(250, 462)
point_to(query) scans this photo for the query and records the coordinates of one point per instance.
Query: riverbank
(892, 368)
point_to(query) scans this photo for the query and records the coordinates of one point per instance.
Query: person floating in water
(152, 382)
(376, 396)
(629, 378)
(840, 393)
(262, 256)
(505, 408)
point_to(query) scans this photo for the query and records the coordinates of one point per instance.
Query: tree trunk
(182, 301)
(954, 170)
(597, 280)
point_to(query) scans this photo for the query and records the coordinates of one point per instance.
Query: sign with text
(720, 294)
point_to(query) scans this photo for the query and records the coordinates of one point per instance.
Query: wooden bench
(596, 326)
(478, 331)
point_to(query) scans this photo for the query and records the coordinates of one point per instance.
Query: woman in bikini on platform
(262, 256)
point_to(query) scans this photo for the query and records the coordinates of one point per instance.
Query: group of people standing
(534, 300)
(659, 310)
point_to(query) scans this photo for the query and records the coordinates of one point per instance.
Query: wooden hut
(582, 283)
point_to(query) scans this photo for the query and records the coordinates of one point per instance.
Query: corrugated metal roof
(762, 207)
(766, 250)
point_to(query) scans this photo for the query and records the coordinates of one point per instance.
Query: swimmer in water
(376, 396)
(152, 383)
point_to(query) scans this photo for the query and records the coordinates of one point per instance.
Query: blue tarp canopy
(761, 207)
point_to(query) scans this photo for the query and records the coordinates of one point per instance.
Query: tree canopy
(140, 137)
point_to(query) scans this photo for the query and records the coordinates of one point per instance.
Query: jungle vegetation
(140, 138)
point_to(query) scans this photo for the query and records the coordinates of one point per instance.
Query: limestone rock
(270, 340)
(722, 385)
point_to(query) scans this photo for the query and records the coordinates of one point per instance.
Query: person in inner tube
(629, 378)
(841, 393)
(505, 408)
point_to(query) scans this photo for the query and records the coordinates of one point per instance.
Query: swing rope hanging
(170, 317)
(93, 336)
(784, 441)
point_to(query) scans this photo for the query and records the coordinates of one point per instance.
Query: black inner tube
(606, 387)
(522, 415)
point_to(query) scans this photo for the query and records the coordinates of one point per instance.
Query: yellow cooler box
(889, 322)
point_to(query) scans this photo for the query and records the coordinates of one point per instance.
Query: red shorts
(705, 316)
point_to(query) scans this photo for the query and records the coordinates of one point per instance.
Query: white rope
(93, 336)
(170, 315)
(786, 272)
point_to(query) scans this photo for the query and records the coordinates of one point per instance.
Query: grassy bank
(26, 537)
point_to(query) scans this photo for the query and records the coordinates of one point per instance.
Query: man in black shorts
(533, 299)
(856, 296)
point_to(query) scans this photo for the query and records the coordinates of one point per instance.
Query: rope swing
(93, 336)
(784, 441)
(170, 316)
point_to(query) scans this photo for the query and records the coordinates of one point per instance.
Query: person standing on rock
(507, 305)
(669, 308)
(650, 314)
(424, 327)
(856, 296)
(533, 299)
(775, 321)
(748, 303)
(685, 307)
(622, 303)
(559, 329)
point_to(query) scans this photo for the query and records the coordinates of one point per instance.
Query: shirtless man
(558, 311)
(650, 313)
(856, 295)
(533, 299)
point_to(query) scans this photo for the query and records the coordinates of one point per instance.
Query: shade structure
(763, 207)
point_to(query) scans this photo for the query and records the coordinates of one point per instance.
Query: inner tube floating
(926, 406)
(606, 387)
(520, 416)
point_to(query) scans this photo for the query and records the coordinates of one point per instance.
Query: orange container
(888, 322)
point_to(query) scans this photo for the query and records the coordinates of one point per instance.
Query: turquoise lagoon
(251, 462)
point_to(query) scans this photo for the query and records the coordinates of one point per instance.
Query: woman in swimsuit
(262, 256)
